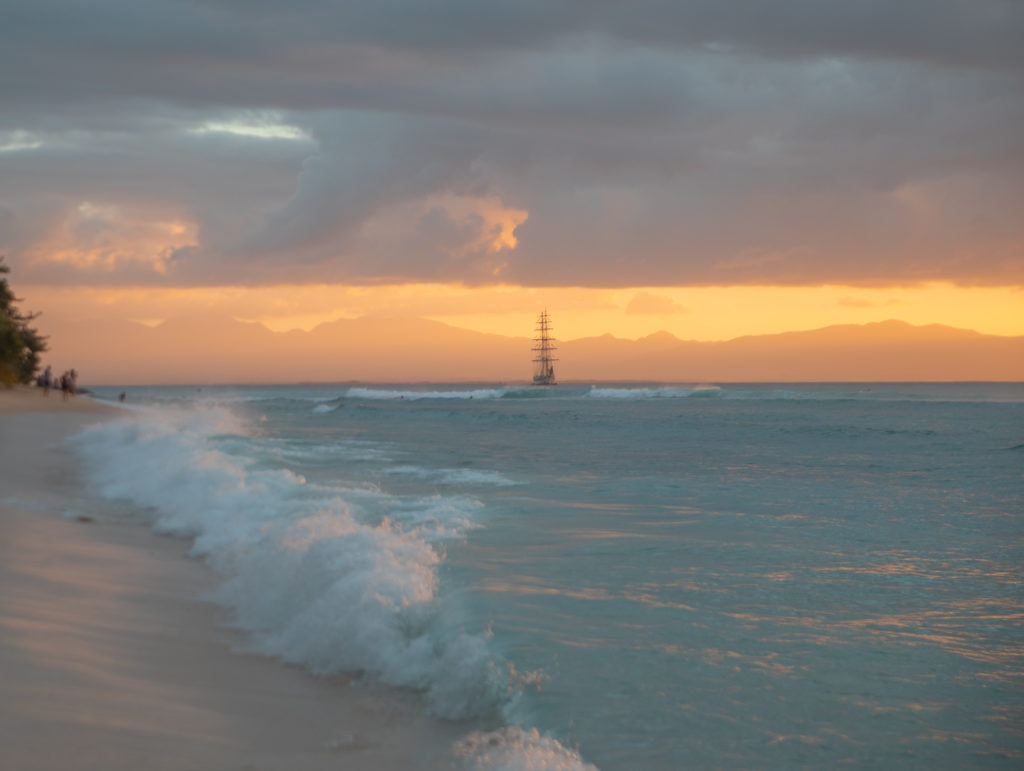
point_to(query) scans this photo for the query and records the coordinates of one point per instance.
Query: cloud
(648, 304)
(587, 143)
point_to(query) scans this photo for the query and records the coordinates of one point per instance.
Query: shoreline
(22, 399)
(110, 659)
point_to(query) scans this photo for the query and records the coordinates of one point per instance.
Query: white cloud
(263, 129)
(16, 141)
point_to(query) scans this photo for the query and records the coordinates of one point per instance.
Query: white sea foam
(316, 584)
(289, 451)
(454, 476)
(326, 578)
(664, 392)
(438, 517)
(380, 393)
(515, 749)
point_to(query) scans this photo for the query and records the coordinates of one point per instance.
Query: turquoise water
(656, 577)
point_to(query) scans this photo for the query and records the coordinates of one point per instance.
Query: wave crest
(662, 392)
(311, 576)
(515, 749)
(381, 393)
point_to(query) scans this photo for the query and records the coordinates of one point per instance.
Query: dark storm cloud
(649, 142)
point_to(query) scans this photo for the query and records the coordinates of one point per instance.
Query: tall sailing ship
(544, 347)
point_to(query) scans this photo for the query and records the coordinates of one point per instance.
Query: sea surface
(627, 577)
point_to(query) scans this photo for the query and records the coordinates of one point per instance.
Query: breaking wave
(665, 392)
(329, 583)
(380, 393)
(515, 749)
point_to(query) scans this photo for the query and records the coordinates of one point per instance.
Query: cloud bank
(231, 142)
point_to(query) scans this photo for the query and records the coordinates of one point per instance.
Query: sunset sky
(713, 168)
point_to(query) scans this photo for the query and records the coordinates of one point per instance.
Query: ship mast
(544, 347)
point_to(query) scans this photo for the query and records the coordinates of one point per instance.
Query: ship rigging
(544, 347)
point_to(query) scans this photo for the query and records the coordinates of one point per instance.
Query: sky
(713, 168)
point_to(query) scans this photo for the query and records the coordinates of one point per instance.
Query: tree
(20, 344)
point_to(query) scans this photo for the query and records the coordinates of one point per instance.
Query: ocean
(618, 576)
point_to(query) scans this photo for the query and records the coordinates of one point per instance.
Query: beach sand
(109, 659)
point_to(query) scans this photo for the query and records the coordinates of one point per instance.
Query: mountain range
(220, 349)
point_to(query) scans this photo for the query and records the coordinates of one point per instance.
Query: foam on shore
(105, 644)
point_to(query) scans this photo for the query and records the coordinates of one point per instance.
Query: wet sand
(109, 659)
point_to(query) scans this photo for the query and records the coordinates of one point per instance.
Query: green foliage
(20, 344)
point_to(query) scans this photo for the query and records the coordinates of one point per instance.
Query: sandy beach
(109, 659)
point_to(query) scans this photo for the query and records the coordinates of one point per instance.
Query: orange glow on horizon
(691, 313)
(202, 340)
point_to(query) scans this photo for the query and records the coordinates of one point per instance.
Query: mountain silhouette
(221, 349)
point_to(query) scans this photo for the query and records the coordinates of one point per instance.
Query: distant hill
(220, 349)
(888, 350)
